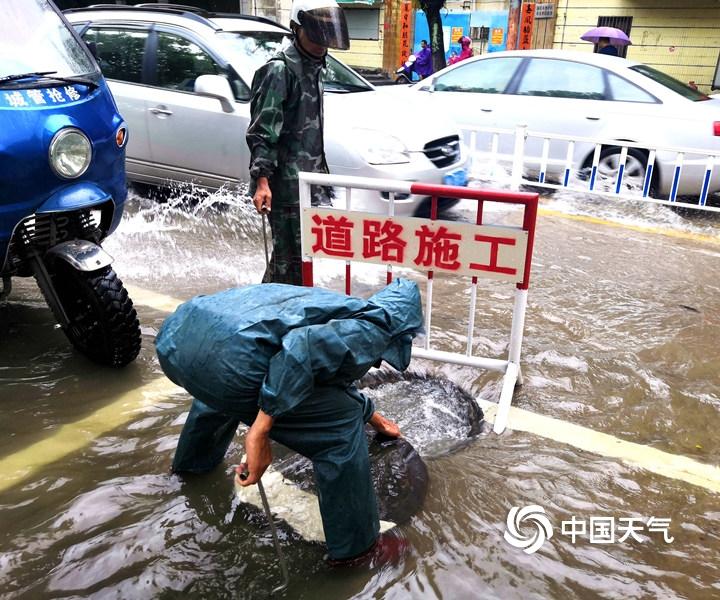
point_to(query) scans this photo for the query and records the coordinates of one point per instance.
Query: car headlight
(379, 148)
(70, 153)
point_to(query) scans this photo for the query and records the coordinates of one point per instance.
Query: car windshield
(247, 51)
(35, 40)
(671, 83)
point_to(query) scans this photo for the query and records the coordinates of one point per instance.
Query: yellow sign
(496, 38)
(457, 33)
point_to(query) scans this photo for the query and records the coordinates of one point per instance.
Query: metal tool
(265, 239)
(281, 558)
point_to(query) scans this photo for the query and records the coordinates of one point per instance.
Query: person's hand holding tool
(263, 196)
(258, 451)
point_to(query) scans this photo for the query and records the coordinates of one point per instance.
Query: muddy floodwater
(621, 337)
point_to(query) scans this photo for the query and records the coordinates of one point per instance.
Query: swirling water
(620, 337)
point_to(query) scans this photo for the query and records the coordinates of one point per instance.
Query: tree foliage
(432, 8)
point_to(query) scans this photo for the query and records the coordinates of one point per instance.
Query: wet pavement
(621, 337)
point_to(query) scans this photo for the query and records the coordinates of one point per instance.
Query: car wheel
(103, 323)
(635, 167)
(444, 204)
(151, 192)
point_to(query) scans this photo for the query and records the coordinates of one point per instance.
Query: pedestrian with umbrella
(605, 47)
(607, 39)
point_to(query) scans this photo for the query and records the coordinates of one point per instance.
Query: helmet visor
(326, 27)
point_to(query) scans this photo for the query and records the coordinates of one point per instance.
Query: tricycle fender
(81, 255)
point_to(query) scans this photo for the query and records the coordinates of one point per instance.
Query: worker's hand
(263, 196)
(257, 449)
(384, 425)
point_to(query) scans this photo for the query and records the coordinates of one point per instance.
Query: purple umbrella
(616, 36)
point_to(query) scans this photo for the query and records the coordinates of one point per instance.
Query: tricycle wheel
(103, 322)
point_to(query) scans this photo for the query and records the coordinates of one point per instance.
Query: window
(562, 79)
(671, 83)
(338, 78)
(248, 51)
(119, 52)
(33, 37)
(489, 76)
(363, 23)
(180, 62)
(624, 91)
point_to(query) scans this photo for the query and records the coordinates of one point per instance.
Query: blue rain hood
(270, 344)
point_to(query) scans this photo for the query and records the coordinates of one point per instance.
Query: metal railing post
(518, 153)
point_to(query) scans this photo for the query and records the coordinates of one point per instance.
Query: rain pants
(294, 352)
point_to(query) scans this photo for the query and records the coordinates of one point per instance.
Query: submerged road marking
(654, 460)
(72, 437)
(17, 467)
(683, 235)
(658, 461)
(152, 299)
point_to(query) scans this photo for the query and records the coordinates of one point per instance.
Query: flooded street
(621, 337)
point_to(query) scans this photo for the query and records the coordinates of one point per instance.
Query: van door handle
(161, 111)
(486, 109)
(593, 118)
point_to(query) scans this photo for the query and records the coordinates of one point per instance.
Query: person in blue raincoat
(283, 359)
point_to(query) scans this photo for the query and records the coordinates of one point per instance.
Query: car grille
(443, 152)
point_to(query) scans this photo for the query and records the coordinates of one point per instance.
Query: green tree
(431, 8)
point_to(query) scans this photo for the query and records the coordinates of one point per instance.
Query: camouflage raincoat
(285, 136)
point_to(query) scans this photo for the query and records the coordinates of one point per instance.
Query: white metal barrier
(553, 157)
(470, 250)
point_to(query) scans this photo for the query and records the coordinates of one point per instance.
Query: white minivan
(186, 128)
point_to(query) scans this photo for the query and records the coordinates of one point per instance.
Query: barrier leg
(508, 387)
(517, 329)
(513, 376)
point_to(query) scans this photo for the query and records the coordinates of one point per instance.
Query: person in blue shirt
(605, 47)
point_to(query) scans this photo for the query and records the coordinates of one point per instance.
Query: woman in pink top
(466, 52)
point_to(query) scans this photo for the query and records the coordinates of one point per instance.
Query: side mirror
(216, 86)
(428, 85)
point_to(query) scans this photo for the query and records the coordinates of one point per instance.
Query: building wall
(363, 53)
(544, 29)
(681, 39)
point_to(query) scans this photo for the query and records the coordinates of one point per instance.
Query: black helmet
(323, 22)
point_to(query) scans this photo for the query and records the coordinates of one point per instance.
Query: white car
(581, 95)
(188, 128)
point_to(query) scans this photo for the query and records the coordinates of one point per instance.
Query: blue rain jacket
(271, 344)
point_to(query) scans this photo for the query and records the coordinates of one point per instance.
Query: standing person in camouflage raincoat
(285, 135)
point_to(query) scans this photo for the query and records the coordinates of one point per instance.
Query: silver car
(182, 81)
(581, 95)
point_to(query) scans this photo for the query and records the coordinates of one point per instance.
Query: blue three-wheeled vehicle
(62, 179)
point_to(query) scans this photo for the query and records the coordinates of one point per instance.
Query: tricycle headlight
(380, 148)
(70, 153)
